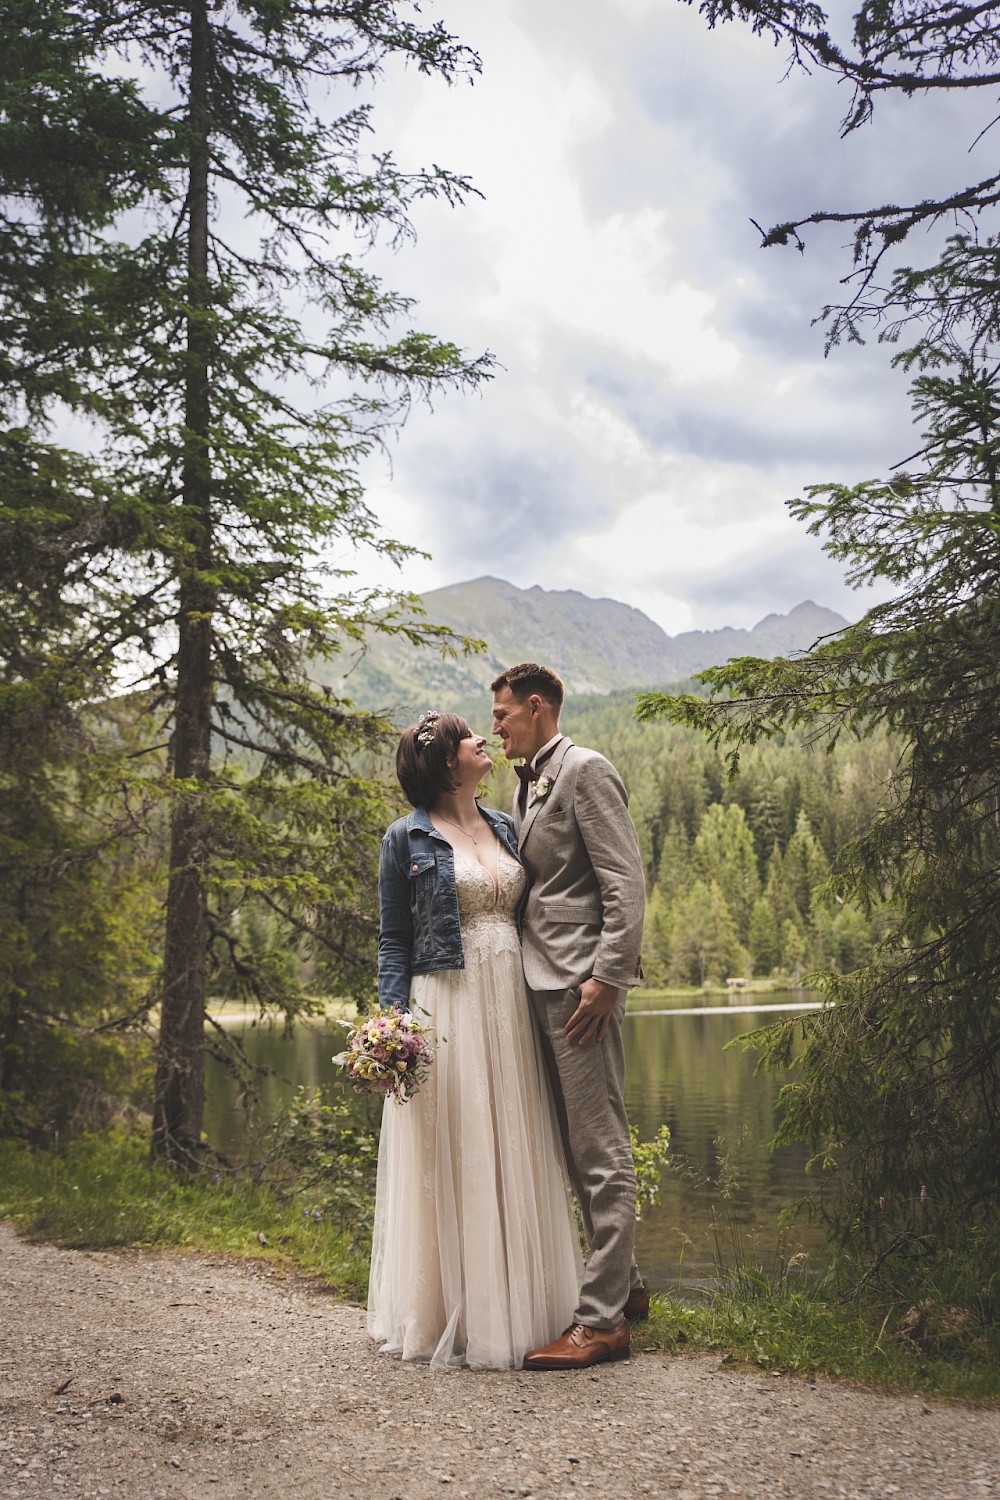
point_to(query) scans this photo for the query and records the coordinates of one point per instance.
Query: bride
(475, 1255)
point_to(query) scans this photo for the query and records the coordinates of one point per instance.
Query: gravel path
(168, 1377)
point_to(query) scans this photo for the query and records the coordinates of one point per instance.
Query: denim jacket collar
(419, 927)
(419, 820)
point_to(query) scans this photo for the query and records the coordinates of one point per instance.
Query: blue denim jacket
(418, 904)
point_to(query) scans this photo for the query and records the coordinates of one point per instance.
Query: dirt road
(166, 1377)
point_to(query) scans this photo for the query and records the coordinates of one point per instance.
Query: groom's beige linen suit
(582, 919)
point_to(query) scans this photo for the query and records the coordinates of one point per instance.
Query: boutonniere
(541, 788)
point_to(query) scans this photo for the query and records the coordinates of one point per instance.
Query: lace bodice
(486, 907)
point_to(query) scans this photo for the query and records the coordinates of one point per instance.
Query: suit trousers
(588, 1083)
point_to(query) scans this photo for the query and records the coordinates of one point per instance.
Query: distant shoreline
(233, 1014)
(229, 1013)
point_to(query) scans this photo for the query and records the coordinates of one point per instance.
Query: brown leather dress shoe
(580, 1347)
(636, 1309)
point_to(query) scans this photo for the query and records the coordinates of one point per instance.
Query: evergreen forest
(737, 869)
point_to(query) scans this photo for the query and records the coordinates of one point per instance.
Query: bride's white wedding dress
(475, 1255)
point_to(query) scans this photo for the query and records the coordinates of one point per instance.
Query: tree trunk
(180, 1070)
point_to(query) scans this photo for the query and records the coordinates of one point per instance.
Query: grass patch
(103, 1191)
(939, 1348)
(693, 993)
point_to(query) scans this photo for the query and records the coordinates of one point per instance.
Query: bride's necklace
(473, 836)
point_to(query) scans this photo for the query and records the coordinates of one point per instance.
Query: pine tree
(899, 1086)
(763, 938)
(794, 948)
(776, 890)
(674, 871)
(656, 942)
(703, 939)
(900, 1083)
(184, 282)
(804, 866)
(910, 50)
(76, 926)
(723, 852)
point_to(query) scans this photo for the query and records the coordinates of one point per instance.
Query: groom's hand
(589, 1022)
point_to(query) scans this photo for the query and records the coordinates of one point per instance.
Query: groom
(582, 927)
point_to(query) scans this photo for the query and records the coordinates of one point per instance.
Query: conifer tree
(908, 50)
(723, 852)
(76, 925)
(899, 1086)
(184, 190)
(763, 938)
(673, 870)
(804, 866)
(656, 940)
(703, 939)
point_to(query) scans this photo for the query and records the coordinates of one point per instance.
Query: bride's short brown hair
(423, 753)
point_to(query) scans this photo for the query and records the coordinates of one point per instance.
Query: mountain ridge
(597, 646)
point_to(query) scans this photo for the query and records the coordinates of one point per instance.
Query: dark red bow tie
(526, 774)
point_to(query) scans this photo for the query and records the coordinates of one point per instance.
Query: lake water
(679, 1073)
(722, 1117)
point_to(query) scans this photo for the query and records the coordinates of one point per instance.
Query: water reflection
(678, 1072)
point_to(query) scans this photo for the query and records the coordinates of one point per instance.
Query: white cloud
(662, 393)
(703, 523)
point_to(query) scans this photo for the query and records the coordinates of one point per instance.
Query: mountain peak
(596, 646)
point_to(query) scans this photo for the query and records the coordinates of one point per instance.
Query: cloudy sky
(662, 391)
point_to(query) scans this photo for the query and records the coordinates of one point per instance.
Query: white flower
(541, 788)
(427, 726)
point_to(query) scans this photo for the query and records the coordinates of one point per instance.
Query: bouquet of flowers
(387, 1053)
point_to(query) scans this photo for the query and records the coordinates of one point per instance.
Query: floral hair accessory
(427, 726)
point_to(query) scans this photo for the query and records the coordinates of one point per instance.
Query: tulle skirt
(475, 1256)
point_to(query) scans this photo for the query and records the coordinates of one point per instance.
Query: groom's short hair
(527, 678)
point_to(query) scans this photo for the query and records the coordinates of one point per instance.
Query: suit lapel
(551, 769)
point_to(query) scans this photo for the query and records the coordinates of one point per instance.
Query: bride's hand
(589, 1022)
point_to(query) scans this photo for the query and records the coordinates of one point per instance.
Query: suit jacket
(583, 913)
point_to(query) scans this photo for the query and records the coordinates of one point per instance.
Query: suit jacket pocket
(584, 913)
